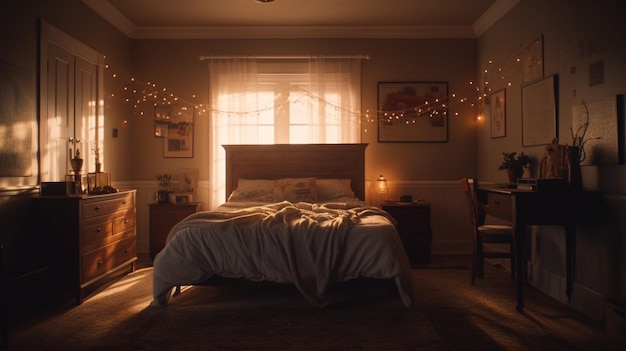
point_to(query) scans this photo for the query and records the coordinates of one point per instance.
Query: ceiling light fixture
(265, 1)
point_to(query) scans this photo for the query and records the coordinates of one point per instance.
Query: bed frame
(324, 161)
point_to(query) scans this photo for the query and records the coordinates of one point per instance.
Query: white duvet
(309, 245)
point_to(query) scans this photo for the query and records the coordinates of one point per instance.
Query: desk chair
(486, 233)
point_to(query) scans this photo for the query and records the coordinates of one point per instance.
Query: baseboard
(584, 300)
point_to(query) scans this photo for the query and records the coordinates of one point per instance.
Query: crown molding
(112, 15)
(123, 24)
(493, 14)
(301, 32)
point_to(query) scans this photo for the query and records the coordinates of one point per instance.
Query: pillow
(329, 189)
(295, 190)
(261, 190)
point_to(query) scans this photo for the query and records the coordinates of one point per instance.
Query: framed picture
(498, 113)
(189, 181)
(532, 61)
(539, 111)
(597, 124)
(18, 148)
(412, 112)
(174, 123)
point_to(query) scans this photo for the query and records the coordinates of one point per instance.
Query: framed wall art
(174, 123)
(412, 112)
(539, 111)
(498, 113)
(532, 61)
(18, 148)
(595, 124)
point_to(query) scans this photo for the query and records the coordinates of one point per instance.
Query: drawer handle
(496, 202)
(125, 221)
(98, 230)
(97, 208)
(126, 251)
(124, 202)
(100, 263)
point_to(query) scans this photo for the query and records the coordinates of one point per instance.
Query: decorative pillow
(261, 190)
(295, 190)
(329, 189)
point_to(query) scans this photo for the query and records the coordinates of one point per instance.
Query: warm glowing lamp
(381, 185)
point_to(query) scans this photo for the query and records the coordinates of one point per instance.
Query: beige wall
(175, 65)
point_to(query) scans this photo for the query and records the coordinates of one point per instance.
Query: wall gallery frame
(174, 123)
(498, 113)
(539, 112)
(18, 157)
(532, 61)
(412, 112)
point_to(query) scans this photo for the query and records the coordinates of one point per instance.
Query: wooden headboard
(324, 161)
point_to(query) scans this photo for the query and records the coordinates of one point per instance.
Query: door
(71, 87)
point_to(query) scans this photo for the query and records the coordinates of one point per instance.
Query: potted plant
(163, 195)
(515, 164)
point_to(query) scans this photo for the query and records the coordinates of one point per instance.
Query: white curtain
(260, 101)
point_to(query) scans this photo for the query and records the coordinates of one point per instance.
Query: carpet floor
(450, 314)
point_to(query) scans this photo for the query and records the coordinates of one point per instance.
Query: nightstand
(163, 217)
(413, 225)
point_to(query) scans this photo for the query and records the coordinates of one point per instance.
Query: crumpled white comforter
(309, 245)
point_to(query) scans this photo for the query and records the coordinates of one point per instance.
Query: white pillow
(329, 189)
(261, 190)
(295, 190)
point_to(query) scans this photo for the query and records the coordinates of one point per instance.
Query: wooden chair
(486, 233)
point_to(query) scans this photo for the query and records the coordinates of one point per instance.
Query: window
(280, 102)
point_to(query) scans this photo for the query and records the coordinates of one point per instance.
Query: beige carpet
(365, 315)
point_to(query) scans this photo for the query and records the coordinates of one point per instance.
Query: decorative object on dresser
(163, 217)
(86, 240)
(163, 194)
(413, 225)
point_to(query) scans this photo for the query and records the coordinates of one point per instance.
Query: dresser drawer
(125, 222)
(416, 217)
(499, 205)
(101, 207)
(96, 231)
(100, 261)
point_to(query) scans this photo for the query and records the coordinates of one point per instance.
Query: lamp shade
(381, 185)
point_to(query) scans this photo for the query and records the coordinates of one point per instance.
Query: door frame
(52, 35)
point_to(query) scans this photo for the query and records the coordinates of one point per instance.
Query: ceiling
(151, 19)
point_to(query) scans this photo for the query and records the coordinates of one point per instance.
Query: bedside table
(413, 225)
(163, 217)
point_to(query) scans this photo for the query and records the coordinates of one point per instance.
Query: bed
(293, 214)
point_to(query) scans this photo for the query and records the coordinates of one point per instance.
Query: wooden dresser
(163, 217)
(86, 239)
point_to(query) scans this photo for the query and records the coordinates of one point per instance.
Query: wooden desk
(526, 207)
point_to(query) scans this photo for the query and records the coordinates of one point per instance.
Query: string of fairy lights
(145, 96)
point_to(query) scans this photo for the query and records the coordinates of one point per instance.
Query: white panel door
(60, 113)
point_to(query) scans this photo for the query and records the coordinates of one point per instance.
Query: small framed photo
(174, 123)
(181, 198)
(498, 113)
